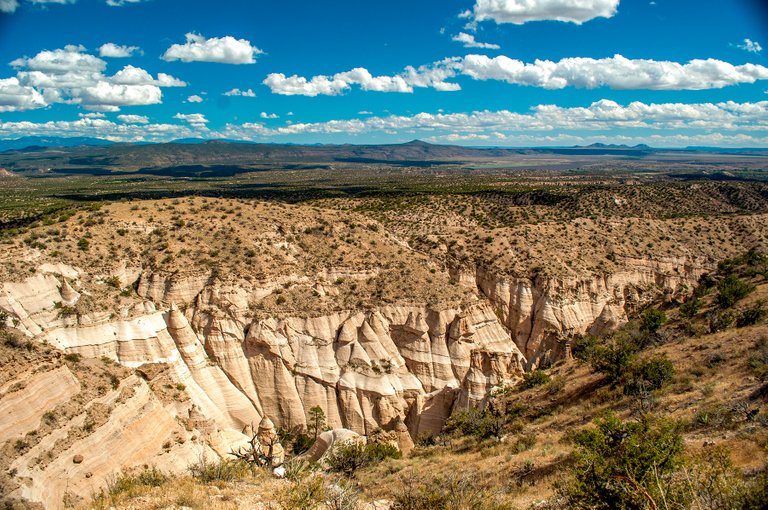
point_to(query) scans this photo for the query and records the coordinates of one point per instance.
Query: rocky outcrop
(543, 313)
(364, 369)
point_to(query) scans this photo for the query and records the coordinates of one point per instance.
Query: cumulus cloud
(130, 75)
(523, 11)
(192, 118)
(600, 116)
(70, 75)
(665, 124)
(133, 119)
(194, 99)
(53, 1)
(9, 5)
(750, 46)
(238, 92)
(15, 97)
(342, 82)
(615, 72)
(468, 40)
(109, 97)
(265, 115)
(113, 50)
(120, 3)
(223, 50)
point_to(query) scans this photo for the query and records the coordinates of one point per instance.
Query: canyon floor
(490, 314)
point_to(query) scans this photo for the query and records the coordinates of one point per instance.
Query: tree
(624, 465)
(316, 421)
(652, 319)
(732, 289)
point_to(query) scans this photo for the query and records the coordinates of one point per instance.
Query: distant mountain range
(103, 156)
(51, 141)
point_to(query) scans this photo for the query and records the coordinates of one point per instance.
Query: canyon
(193, 358)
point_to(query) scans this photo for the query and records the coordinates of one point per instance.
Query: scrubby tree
(624, 465)
(652, 320)
(316, 421)
(732, 289)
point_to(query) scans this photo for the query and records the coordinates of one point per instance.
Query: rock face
(542, 313)
(402, 368)
(365, 369)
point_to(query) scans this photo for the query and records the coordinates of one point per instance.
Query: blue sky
(472, 72)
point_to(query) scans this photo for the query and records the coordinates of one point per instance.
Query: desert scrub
(758, 360)
(623, 465)
(227, 470)
(732, 289)
(534, 378)
(353, 455)
(474, 422)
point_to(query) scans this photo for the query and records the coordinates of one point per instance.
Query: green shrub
(652, 320)
(301, 443)
(221, 470)
(730, 290)
(623, 465)
(534, 378)
(83, 244)
(474, 422)
(614, 359)
(720, 321)
(73, 357)
(351, 456)
(114, 282)
(649, 375)
(758, 360)
(127, 482)
(583, 347)
(751, 315)
(691, 307)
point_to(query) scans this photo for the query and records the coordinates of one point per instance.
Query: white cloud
(265, 115)
(750, 46)
(615, 72)
(113, 50)
(120, 3)
(600, 116)
(666, 124)
(195, 99)
(192, 118)
(342, 82)
(238, 92)
(105, 96)
(70, 75)
(15, 97)
(53, 1)
(469, 41)
(130, 75)
(300, 86)
(69, 59)
(224, 50)
(9, 5)
(133, 119)
(523, 11)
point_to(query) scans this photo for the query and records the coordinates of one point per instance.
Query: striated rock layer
(398, 367)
